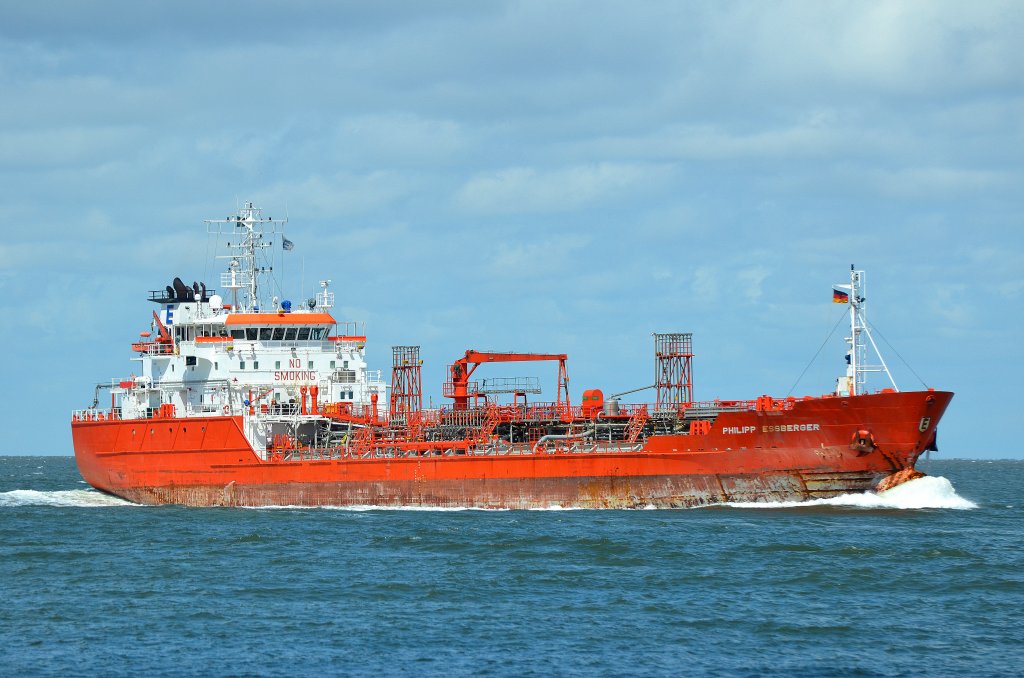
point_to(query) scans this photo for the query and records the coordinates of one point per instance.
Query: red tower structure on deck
(673, 369)
(406, 384)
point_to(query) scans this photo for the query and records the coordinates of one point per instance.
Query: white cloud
(705, 284)
(342, 193)
(942, 183)
(66, 146)
(401, 139)
(526, 189)
(910, 48)
(752, 280)
(545, 259)
(950, 302)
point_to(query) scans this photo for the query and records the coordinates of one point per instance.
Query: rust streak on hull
(507, 493)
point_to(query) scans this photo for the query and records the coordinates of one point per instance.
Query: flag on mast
(840, 297)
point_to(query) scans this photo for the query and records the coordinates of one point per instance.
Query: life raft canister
(862, 442)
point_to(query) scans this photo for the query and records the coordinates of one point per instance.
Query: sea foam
(928, 492)
(66, 498)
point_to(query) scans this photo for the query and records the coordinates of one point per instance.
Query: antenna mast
(244, 272)
(857, 354)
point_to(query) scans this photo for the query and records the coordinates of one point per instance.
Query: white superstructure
(275, 363)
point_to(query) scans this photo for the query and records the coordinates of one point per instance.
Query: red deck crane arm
(462, 368)
(477, 358)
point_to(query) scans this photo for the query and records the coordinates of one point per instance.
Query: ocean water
(925, 580)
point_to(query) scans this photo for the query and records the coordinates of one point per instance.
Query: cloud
(401, 139)
(913, 48)
(340, 194)
(527, 189)
(949, 302)
(547, 258)
(944, 183)
(752, 280)
(66, 147)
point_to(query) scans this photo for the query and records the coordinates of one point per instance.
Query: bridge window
(289, 334)
(238, 334)
(265, 333)
(278, 334)
(250, 333)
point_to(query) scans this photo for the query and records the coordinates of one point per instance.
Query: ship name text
(777, 428)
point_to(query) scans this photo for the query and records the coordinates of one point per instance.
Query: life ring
(862, 442)
(226, 409)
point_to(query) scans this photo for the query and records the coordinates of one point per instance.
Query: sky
(549, 176)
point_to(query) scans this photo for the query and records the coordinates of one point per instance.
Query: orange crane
(461, 369)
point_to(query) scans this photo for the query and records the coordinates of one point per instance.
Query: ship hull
(802, 453)
(658, 491)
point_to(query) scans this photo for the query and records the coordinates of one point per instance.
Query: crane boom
(462, 368)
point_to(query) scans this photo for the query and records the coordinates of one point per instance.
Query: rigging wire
(831, 332)
(207, 267)
(893, 348)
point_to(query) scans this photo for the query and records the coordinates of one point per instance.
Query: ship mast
(857, 355)
(243, 270)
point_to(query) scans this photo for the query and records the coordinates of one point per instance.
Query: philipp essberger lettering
(778, 428)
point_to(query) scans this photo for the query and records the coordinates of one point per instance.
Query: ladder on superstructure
(491, 421)
(636, 423)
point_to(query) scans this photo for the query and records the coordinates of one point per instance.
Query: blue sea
(926, 580)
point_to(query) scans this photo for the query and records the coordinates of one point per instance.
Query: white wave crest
(68, 498)
(928, 492)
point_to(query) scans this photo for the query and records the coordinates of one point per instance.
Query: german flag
(840, 297)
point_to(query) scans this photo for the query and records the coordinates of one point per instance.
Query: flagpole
(854, 344)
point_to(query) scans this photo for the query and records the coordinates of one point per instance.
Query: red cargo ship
(246, 403)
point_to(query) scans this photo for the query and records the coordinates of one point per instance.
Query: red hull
(795, 454)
